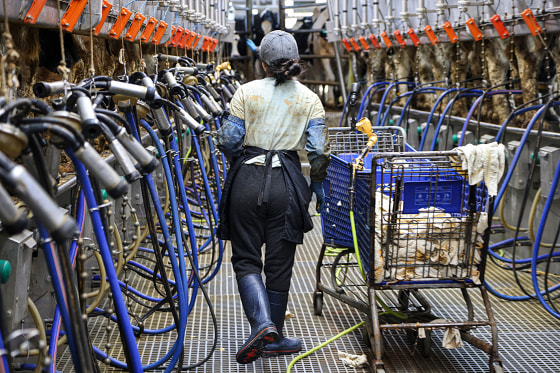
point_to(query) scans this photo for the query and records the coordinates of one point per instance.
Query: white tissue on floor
(356, 361)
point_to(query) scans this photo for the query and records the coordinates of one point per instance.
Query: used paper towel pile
(427, 245)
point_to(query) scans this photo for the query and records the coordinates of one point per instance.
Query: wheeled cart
(407, 222)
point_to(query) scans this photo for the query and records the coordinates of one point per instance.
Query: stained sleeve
(231, 135)
(317, 145)
(229, 138)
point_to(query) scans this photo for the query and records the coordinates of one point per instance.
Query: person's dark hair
(284, 69)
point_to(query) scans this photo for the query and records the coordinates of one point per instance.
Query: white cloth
(482, 222)
(452, 338)
(484, 162)
(426, 245)
(356, 361)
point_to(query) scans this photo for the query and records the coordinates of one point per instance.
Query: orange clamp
(364, 43)
(412, 35)
(160, 30)
(34, 11)
(204, 47)
(473, 28)
(190, 40)
(177, 37)
(210, 41)
(194, 40)
(531, 22)
(386, 39)
(354, 44)
(374, 42)
(173, 32)
(198, 36)
(399, 38)
(347, 45)
(431, 35)
(105, 9)
(148, 30)
(135, 27)
(450, 32)
(214, 45)
(181, 43)
(72, 14)
(499, 26)
(120, 23)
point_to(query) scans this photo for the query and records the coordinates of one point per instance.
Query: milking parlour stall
(434, 243)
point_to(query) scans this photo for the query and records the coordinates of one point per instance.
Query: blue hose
(388, 108)
(138, 329)
(58, 287)
(29, 367)
(502, 130)
(475, 105)
(55, 334)
(448, 107)
(181, 280)
(4, 365)
(434, 108)
(538, 238)
(213, 208)
(135, 365)
(218, 125)
(384, 98)
(365, 98)
(517, 155)
(501, 192)
(509, 242)
(427, 89)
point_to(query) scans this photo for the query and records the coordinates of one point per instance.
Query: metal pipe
(354, 26)
(344, 21)
(337, 55)
(421, 10)
(404, 10)
(365, 15)
(376, 21)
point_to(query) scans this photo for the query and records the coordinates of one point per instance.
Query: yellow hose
(532, 215)
(316, 348)
(36, 316)
(503, 218)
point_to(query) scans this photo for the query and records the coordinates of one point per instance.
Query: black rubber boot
(283, 346)
(255, 304)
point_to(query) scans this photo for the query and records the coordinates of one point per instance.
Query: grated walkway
(529, 337)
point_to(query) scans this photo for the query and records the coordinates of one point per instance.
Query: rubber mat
(528, 336)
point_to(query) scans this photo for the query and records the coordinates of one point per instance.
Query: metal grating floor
(529, 337)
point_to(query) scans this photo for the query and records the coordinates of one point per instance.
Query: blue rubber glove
(251, 44)
(317, 188)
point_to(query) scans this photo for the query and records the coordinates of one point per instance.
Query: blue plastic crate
(445, 189)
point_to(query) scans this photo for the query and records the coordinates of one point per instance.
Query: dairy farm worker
(266, 197)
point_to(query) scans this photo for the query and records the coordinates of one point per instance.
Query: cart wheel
(318, 302)
(403, 297)
(411, 335)
(424, 344)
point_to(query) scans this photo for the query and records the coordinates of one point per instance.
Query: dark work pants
(252, 226)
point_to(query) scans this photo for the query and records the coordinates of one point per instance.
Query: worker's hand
(317, 188)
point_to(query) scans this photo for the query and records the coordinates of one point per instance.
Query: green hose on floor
(316, 348)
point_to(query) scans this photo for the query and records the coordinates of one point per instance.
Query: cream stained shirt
(276, 117)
